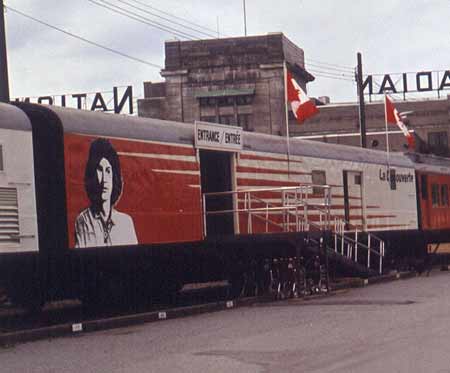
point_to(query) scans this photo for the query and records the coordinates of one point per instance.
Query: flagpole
(245, 19)
(287, 117)
(4, 85)
(387, 135)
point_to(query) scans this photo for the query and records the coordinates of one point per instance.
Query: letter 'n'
(127, 95)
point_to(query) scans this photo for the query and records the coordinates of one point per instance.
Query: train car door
(353, 208)
(216, 176)
(424, 205)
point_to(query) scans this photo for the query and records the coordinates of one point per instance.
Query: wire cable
(345, 70)
(166, 19)
(174, 16)
(335, 76)
(142, 19)
(83, 39)
(340, 75)
(330, 64)
(331, 68)
(320, 73)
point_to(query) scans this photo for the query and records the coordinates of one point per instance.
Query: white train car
(370, 191)
(18, 215)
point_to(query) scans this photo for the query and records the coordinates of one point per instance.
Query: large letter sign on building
(422, 81)
(218, 137)
(98, 101)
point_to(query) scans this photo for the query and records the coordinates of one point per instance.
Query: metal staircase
(303, 208)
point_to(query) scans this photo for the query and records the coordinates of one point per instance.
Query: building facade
(236, 81)
(240, 81)
(427, 119)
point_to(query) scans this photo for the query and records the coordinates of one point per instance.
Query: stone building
(240, 81)
(236, 81)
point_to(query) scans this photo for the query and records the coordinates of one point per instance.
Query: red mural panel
(159, 200)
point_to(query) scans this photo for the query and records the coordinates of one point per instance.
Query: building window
(318, 177)
(244, 121)
(244, 100)
(210, 119)
(208, 101)
(434, 195)
(227, 119)
(438, 142)
(444, 195)
(225, 101)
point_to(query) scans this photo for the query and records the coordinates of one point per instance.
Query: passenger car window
(318, 177)
(435, 195)
(444, 195)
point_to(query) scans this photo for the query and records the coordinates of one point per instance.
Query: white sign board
(218, 137)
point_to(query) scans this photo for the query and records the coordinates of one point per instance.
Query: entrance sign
(218, 137)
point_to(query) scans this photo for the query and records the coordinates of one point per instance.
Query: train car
(97, 205)
(433, 183)
(19, 236)
(367, 193)
(56, 242)
(370, 191)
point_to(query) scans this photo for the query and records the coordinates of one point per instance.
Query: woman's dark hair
(102, 148)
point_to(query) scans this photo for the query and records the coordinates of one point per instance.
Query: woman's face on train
(105, 178)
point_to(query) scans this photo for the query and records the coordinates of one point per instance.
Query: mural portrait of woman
(101, 224)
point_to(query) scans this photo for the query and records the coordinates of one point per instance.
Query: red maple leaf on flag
(302, 106)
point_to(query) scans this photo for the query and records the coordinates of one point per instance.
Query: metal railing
(292, 205)
(350, 243)
(298, 209)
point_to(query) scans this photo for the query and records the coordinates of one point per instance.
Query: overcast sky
(392, 35)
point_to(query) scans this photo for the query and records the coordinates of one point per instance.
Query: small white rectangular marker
(162, 315)
(230, 304)
(77, 328)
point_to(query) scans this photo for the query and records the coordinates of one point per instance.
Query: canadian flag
(394, 117)
(302, 106)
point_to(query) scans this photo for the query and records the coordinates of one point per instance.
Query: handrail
(275, 189)
(300, 203)
(355, 227)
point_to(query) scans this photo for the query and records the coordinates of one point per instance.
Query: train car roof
(316, 149)
(12, 117)
(430, 163)
(116, 125)
(101, 124)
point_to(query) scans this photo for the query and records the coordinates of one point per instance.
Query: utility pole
(4, 86)
(361, 110)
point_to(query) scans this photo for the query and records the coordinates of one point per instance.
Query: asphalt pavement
(399, 326)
